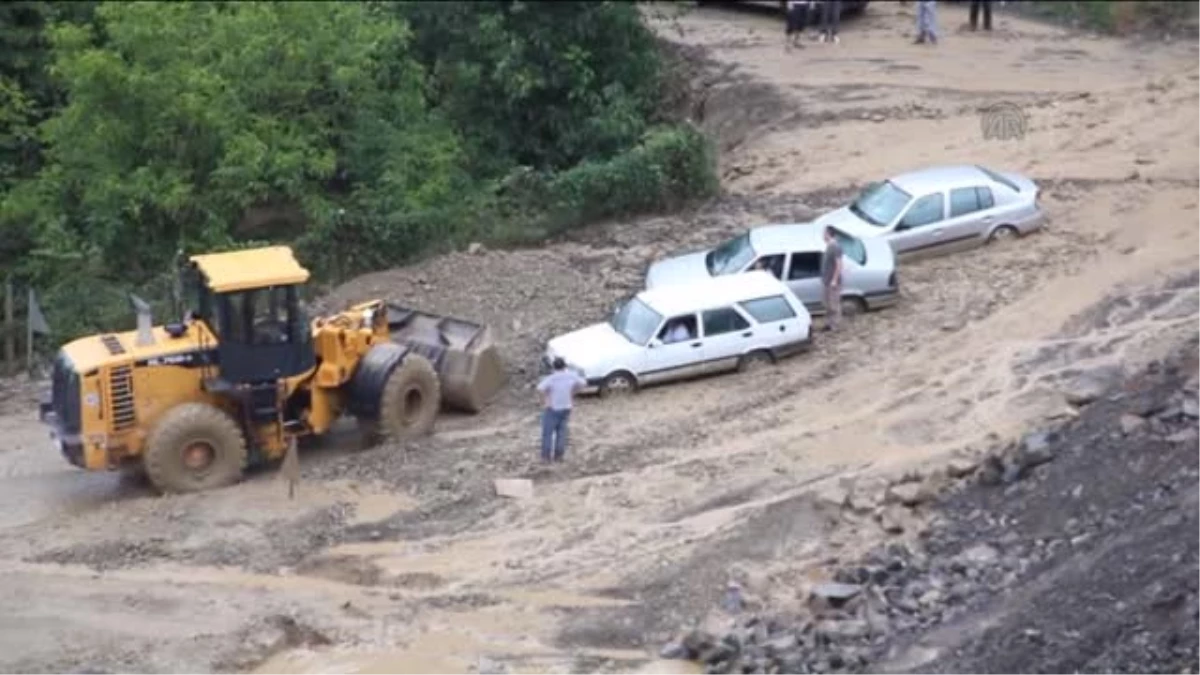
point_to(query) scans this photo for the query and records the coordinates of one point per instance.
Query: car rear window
(999, 179)
(769, 309)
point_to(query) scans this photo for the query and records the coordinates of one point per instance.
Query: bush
(670, 167)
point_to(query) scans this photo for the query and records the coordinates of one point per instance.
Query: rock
(732, 601)
(961, 467)
(833, 497)
(698, 642)
(1035, 450)
(1131, 424)
(980, 554)
(673, 650)
(516, 488)
(909, 494)
(476, 248)
(1191, 408)
(835, 592)
(778, 646)
(1185, 436)
(850, 629)
(992, 472)
(1088, 387)
(893, 519)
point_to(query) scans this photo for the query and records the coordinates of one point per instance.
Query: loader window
(260, 316)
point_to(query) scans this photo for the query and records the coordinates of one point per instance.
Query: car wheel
(618, 384)
(1002, 234)
(755, 360)
(852, 305)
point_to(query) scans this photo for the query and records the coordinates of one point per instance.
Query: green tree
(540, 84)
(193, 115)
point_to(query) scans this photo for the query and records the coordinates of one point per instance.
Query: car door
(919, 230)
(666, 360)
(804, 278)
(727, 335)
(968, 222)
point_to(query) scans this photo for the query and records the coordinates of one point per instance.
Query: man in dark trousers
(986, 5)
(831, 16)
(831, 279)
(797, 17)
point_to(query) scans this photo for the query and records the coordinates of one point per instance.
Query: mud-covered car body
(726, 322)
(942, 209)
(793, 253)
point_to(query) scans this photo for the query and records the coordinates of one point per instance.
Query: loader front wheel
(410, 400)
(195, 447)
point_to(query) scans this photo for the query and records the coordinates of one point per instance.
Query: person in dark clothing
(831, 16)
(986, 5)
(797, 17)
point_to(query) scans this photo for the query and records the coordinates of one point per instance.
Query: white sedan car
(941, 209)
(732, 322)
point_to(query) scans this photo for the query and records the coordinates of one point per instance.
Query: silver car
(942, 209)
(793, 254)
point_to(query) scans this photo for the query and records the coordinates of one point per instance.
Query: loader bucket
(463, 353)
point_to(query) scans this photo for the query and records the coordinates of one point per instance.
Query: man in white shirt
(558, 395)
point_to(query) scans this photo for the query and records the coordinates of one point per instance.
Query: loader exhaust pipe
(145, 323)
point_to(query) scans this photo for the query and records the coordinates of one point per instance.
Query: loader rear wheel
(195, 447)
(410, 400)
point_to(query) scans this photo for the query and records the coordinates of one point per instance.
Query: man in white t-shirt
(558, 396)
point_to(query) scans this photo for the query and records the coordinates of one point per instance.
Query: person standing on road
(831, 279)
(986, 6)
(558, 394)
(926, 22)
(831, 16)
(797, 17)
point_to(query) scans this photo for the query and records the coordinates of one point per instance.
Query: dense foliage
(363, 133)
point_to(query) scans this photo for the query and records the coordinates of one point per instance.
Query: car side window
(770, 263)
(926, 210)
(984, 195)
(963, 201)
(679, 329)
(769, 310)
(806, 265)
(724, 320)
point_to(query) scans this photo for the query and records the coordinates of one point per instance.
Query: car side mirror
(655, 343)
(901, 226)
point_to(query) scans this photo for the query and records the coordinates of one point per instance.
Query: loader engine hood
(98, 351)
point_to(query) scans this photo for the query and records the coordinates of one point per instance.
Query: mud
(391, 559)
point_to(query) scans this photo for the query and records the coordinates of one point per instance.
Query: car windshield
(730, 257)
(852, 247)
(636, 322)
(880, 203)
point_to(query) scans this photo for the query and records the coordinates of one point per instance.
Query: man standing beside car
(831, 279)
(558, 394)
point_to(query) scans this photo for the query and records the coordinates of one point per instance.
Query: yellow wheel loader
(246, 373)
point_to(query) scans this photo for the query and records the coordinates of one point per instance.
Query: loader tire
(195, 447)
(410, 400)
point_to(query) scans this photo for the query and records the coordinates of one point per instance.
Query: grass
(1117, 17)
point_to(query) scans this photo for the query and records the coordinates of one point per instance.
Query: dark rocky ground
(1072, 551)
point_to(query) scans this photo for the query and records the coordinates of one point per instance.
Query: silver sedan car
(941, 209)
(793, 254)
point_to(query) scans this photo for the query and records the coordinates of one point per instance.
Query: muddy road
(393, 561)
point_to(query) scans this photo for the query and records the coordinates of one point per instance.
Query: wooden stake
(10, 326)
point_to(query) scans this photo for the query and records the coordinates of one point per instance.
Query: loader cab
(250, 300)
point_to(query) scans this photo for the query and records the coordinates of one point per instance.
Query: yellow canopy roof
(250, 268)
